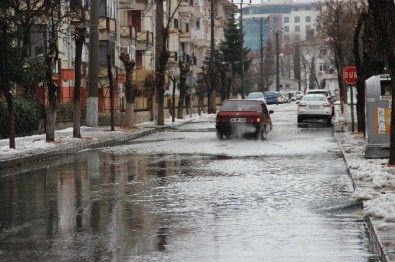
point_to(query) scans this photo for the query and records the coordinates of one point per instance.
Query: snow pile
(375, 182)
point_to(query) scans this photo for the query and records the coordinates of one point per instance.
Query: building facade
(296, 24)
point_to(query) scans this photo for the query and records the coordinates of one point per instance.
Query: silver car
(315, 106)
(256, 96)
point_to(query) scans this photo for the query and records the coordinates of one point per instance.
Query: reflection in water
(162, 236)
(104, 207)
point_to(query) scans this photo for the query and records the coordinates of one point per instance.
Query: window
(297, 19)
(37, 40)
(286, 28)
(286, 19)
(76, 4)
(323, 67)
(197, 24)
(297, 28)
(107, 8)
(308, 19)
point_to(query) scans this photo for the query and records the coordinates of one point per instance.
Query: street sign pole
(350, 77)
(352, 108)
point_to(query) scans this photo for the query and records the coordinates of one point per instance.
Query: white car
(315, 106)
(323, 92)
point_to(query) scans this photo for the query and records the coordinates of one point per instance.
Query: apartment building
(129, 26)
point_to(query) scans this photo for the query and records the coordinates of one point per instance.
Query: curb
(373, 236)
(69, 150)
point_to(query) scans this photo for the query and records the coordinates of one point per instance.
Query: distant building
(297, 21)
(296, 24)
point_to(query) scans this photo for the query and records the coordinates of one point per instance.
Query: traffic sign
(350, 75)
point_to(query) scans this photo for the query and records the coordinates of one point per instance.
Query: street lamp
(261, 49)
(276, 33)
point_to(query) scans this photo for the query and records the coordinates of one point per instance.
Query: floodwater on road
(182, 195)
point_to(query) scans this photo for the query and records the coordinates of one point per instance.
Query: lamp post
(261, 50)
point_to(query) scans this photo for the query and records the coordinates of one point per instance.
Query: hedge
(27, 116)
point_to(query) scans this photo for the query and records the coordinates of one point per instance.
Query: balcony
(186, 8)
(133, 4)
(184, 37)
(128, 35)
(144, 40)
(107, 28)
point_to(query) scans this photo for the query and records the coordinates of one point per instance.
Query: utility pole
(261, 52)
(92, 106)
(243, 91)
(211, 59)
(276, 33)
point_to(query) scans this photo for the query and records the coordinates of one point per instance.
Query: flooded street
(183, 195)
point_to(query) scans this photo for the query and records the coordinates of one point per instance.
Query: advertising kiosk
(378, 116)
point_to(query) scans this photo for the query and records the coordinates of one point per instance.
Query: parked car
(271, 97)
(257, 96)
(282, 97)
(323, 92)
(242, 117)
(297, 95)
(315, 106)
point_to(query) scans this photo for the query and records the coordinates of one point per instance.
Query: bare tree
(51, 59)
(338, 21)
(369, 53)
(78, 11)
(162, 54)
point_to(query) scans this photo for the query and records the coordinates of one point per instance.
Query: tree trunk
(79, 43)
(160, 83)
(51, 58)
(213, 106)
(5, 83)
(51, 120)
(130, 99)
(383, 13)
(181, 99)
(111, 82)
(129, 65)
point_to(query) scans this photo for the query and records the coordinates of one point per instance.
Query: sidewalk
(31, 149)
(374, 184)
